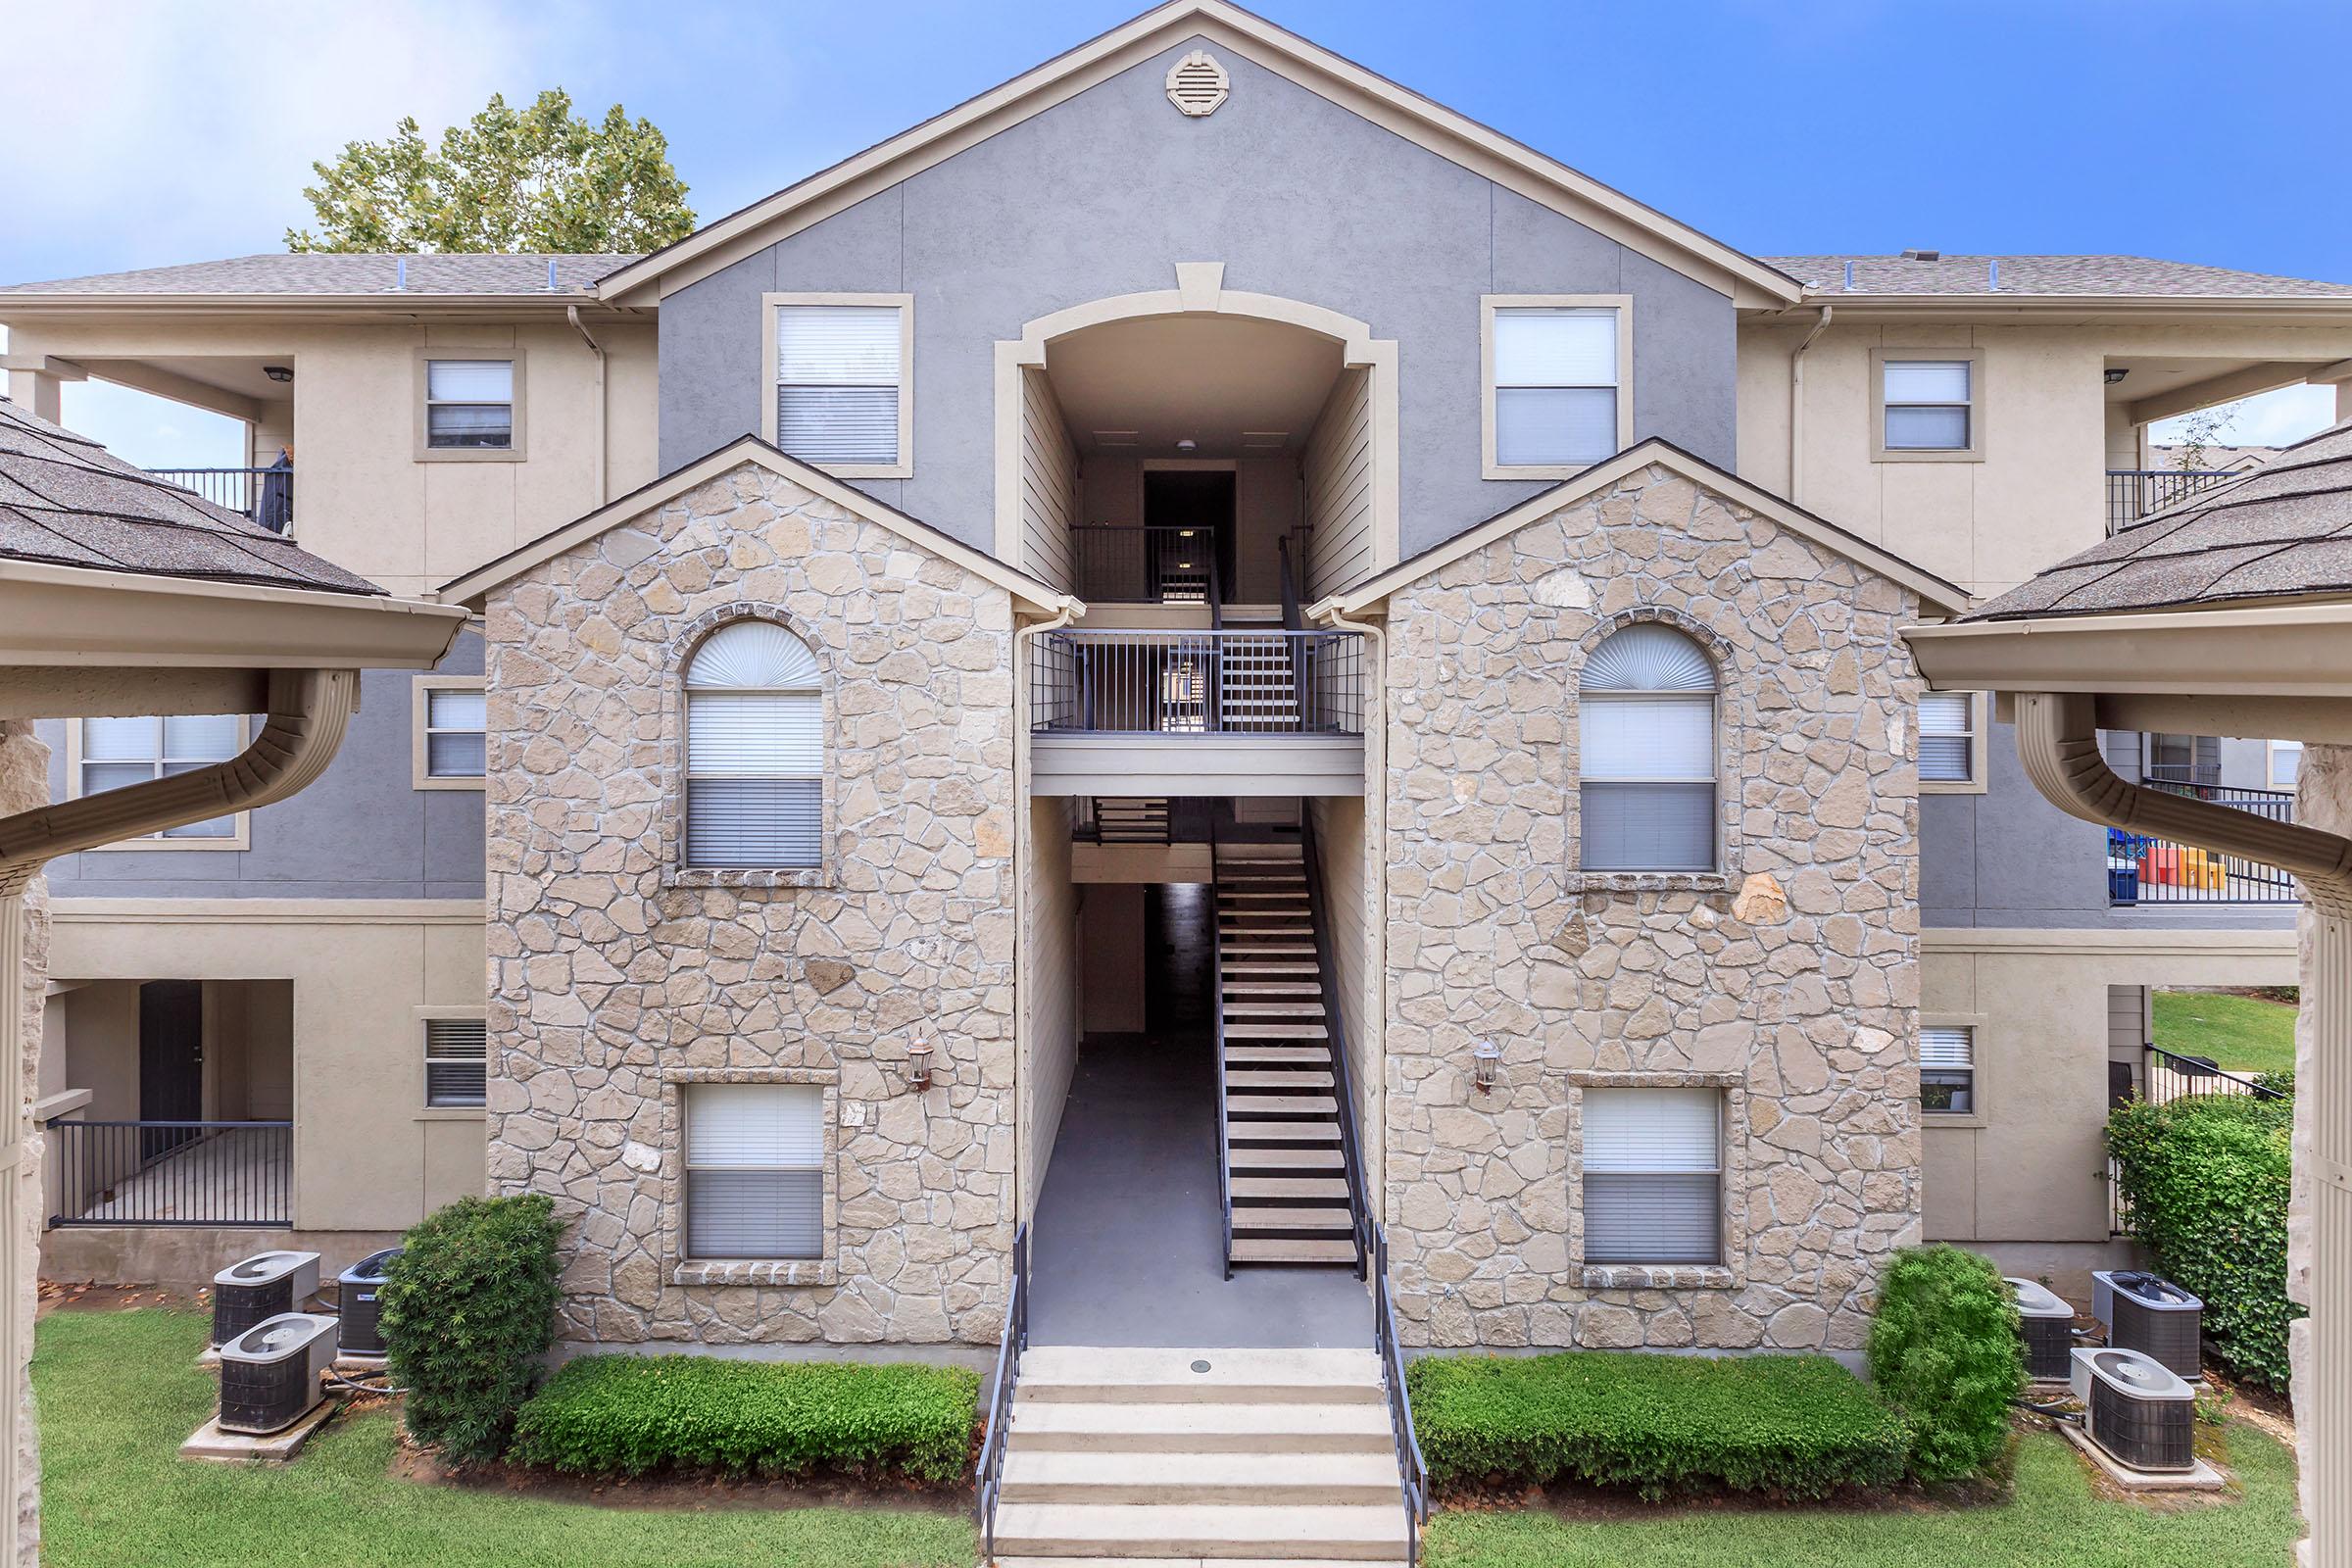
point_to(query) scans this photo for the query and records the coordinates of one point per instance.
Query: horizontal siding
(1338, 470)
(1196, 765)
(1048, 483)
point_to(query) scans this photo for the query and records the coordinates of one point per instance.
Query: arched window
(755, 751)
(1646, 716)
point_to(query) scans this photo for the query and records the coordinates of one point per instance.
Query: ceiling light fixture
(278, 373)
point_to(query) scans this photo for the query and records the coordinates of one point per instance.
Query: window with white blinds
(755, 751)
(1929, 405)
(469, 403)
(755, 1170)
(1947, 739)
(1647, 739)
(1653, 1175)
(1556, 386)
(117, 753)
(841, 383)
(1947, 1070)
(456, 1061)
(454, 742)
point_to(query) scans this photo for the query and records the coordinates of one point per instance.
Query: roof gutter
(309, 711)
(1797, 407)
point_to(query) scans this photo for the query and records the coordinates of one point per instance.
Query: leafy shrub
(628, 1414)
(1944, 1350)
(2279, 1082)
(1799, 1425)
(468, 1308)
(2207, 1181)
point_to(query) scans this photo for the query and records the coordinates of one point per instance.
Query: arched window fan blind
(1646, 706)
(755, 751)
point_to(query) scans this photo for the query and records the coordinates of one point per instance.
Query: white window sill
(757, 1272)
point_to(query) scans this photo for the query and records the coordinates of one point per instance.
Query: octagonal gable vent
(1197, 85)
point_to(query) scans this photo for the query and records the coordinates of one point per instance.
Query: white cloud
(2267, 419)
(151, 131)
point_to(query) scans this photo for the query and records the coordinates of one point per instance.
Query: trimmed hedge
(1944, 1351)
(468, 1308)
(1799, 1425)
(2206, 1180)
(629, 1414)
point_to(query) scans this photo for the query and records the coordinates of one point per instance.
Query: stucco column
(24, 973)
(2319, 1239)
(43, 394)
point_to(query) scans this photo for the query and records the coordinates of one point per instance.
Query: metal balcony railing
(1144, 565)
(171, 1172)
(2141, 870)
(265, 495)
(1198, 683)
(2136, 492)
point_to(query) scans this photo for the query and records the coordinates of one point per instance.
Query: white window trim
(904, 468)
(1974, 1023)
(426, 1110)
(1488, 304)
(1881, 452)
(419, 722)
(1977, 755)
(238, 837)
(823, 1269)
(427, 453)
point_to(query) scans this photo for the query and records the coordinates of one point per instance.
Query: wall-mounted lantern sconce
(1486, 1064)
(918, 1066)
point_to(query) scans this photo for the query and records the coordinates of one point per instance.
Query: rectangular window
(1653, 1175)
(457, 1054)
(1648, 783)
(2286, 764)
(119, 751)
(469, 405)
(841, 394)
(754, 790)
(1947, 1070)
(1554, 378)
(1947, 737)
(454, 742)
(755, 1170)
(1927, 405)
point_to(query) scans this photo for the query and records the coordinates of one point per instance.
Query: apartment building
(1069, 673)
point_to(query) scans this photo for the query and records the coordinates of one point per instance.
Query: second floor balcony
(2136, 492)
(2144, 870)
(1260, 710)
(263, 495)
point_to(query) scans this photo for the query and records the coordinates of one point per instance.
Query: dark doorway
(1196, 499)
(171, 1062)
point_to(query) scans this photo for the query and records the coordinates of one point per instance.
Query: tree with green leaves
(536, 179)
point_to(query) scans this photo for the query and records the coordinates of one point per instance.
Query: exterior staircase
(1183, 1455)
(1284, 1148)
(1131, 819)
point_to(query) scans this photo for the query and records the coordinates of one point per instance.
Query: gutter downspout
(1024, 865)
(1374, 1042)
(572, 314)
(1797, 407)
(309, 712)
(2058, 742)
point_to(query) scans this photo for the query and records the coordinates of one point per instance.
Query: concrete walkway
(1127, 1246)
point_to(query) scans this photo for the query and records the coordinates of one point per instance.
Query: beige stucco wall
(1797, 998)
(617, 981)
(368, 1154)
(362, 497)
(2040, 493)
(2030, 1167)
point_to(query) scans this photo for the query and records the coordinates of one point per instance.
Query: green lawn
(2051, 1518)
(119, 1392)
(2244, 1034)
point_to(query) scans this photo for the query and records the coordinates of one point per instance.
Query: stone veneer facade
(616, 979)
(1791, 982)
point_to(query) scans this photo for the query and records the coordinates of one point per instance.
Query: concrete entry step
(1066, 1476)
(1292, 1426)
(1123, 1374)
(1350, 1533)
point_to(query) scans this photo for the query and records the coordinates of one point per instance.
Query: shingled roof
(2120, 277)
(316, 272)
(2283, 532)
(66, 501)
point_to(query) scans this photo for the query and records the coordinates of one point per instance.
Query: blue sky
(2190, 131)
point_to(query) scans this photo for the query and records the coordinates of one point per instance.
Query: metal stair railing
(987, 1475)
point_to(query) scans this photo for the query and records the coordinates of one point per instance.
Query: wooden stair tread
(1331, 1188)
(1281, 1105)
(1329, 1218)
(1275, 1031)
(1259, 1156)
(1253, 1055)
(1297, 1078)
(1290, 1250)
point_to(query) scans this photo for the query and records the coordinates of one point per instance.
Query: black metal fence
(266, 495)
(171, 1172)
(2144, 869)
(987, 1475)
(2165, 1077)
(1412, 1473)
(1198, 683)
(2136, 492)
(1148, 565)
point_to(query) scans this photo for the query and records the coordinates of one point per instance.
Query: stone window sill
(806, 877)
(757, 1272)
(1660, 1276)
(1649, 882)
